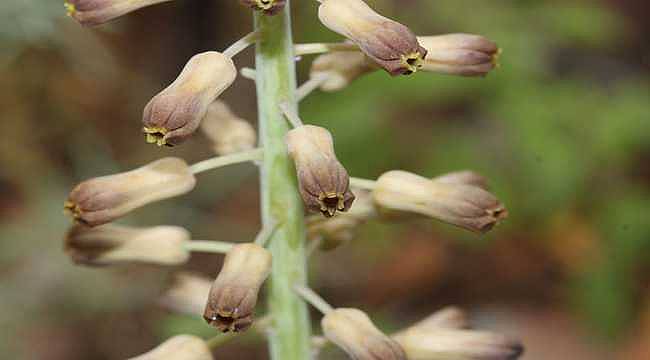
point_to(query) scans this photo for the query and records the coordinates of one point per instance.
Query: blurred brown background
(562, 131)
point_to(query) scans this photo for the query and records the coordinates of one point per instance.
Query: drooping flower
(96, 12)
(324, 183)
(388, 43)
(180, 347)
(187, 294)
(228, 132)
(115, 244)
(233, 295)
(176, 112)
(101, 200)
(466, 206)
(459, 54)
(353, 331)
(340, 68)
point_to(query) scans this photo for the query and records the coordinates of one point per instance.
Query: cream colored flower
(353, 331)
(181, 347)
(465, 177)
(187, 294)
(459, 54)
(175, 113)
(233, 295)
(324, 183)
(228, 132)
(96, 12)
(101, 200)
(340, 68)
(469, 207)
(115, 244)
(388, 43)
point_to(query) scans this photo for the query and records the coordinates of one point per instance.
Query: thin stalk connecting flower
(241, 44)
(310, 85)
(319, 48)
(314, 299)
(221, 161)
(208, 246)
(292, 116)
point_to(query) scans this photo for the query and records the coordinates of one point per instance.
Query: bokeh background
(561, 130)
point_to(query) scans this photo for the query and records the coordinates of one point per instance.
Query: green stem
(276, 83)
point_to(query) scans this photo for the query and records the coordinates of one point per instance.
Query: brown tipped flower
(342, 228)
(228, 132)
(469, 207)
(269, 7)
(443, 344)
(180, 347)
(353, 331)
(340, 68)
(390, 44)
(459, 54)
(465, 177)
(233, 295)
(114, 244)
(96, 12)
(324, 183)
(175, 113)
(187, 294)
(101, 200)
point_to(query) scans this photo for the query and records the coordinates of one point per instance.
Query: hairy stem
(276, 83)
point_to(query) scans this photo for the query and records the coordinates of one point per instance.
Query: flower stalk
(281, 204)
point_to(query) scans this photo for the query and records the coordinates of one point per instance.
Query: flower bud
(459, 54)
(390, 44)
(115, 244)
(101, 200)
(353, 331)
(180, 347)
(175, 113)
(324, 183)
(340, 68)
(342, 228)
(269, 7)
(442, 344)
(96, 12)
(187, 294)
(229, 133)
(466, 177)
(469, 207)
(233, 295)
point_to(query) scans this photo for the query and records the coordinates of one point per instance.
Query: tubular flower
(390, 44)
(353, 331)
(233, 295)
(459, 54)
(342, 228)
(180, 347)
(175, 113)
(228, 132)
(187, 294)
(269, 7)
(340, 68)
(442, 344)
(114, 244)
(96, 12)
(469, 207)
(101, 200)
(450, 317)
(466, 177)
(324, 183)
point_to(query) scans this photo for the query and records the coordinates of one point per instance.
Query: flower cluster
(338, 204)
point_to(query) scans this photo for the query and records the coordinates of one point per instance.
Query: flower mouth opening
(330, 203)
(69, 8)
(411, 63)
(156, 135)
(228, 323)
(72, 209)
(265, 4)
